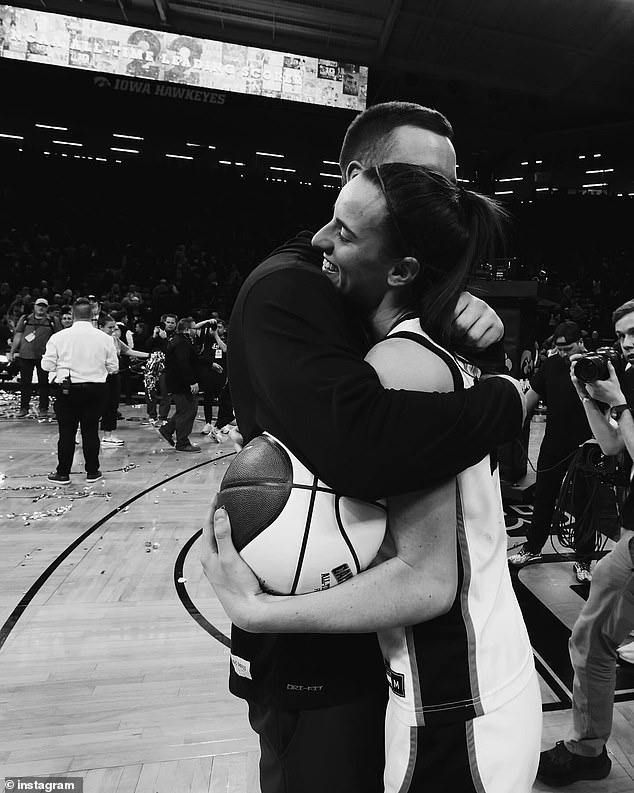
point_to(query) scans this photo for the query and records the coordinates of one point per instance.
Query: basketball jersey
(477, 656)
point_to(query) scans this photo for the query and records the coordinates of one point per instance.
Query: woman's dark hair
(446, 228)
(104, 319)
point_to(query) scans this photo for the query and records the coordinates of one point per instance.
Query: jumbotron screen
(60, 40)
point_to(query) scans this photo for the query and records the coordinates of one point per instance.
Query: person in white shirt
(81, 357)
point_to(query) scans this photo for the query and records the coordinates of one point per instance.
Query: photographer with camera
(81, 357)
(566, 429)
(154, 380)
(607, 617)
(212, 369)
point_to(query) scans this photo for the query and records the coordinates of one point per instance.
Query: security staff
(81, 357)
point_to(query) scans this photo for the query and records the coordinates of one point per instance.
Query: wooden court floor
(113, 648)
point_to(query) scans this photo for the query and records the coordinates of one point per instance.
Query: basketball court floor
(113, 647)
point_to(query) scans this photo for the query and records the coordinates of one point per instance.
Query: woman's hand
(475, 323)
(235, 584)
(608, 391)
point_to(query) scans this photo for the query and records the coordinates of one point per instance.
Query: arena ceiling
(527, 70)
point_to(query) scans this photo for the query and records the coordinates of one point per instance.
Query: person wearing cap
(29, 342)
(566, 429)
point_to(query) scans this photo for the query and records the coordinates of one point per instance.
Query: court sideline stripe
(19, 610)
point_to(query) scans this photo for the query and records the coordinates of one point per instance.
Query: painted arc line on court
(26, 599)
(183, 594)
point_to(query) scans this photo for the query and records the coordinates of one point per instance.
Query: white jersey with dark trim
(476, 657)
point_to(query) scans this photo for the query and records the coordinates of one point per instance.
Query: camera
(213, 324)
(593, 366)
(161, 325)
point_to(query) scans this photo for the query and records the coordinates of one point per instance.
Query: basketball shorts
(494, 753)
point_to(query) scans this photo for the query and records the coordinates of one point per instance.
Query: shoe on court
(559, 767)
(206, 429)
(59, 479)
(218, 436)
(191, 447)
(111, 442)
(94, 477)
(523, 557)
(22, 414)
(583, 573)
(166, 435)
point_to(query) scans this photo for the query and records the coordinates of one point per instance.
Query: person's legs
(225, 407)
(186, 409)
(603, 624)
(111, 405)
(26, 377)
(494, 753)
(43, 385)
(91, 408)
(206, 382)
(337, 749)
(150, 403)
(67, 420)
(164, 398)
(550, 474)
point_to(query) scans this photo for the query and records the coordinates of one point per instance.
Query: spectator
(29, 343)
(181, 377)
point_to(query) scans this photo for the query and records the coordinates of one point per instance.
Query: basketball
(294, 532)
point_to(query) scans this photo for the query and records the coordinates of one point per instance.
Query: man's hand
(162, 333)
(233, 581)
(475, 323)
(194, 388)
(608, 391)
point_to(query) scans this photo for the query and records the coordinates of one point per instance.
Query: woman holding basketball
(402, 244)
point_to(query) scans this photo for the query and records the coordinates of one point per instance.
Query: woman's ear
(404, 272)
(352, 169)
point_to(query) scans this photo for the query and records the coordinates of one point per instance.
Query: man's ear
(404, 272)
(352, 169)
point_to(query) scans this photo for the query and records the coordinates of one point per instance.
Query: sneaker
(583, 573)
(523, 557)
(191, 447)
(218, 436)
(90, 478)
(111, 442)
(559, 767)
(59, 479)
(22, 414)
(42, 414)
(166, 435)
(206, 429)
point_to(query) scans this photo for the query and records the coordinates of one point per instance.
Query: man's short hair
(621, 311)
(369, 137)
(82, 308)
(183, 324)
(169, 314)
(570, 331)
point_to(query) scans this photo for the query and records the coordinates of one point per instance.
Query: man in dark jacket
(181, 378)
